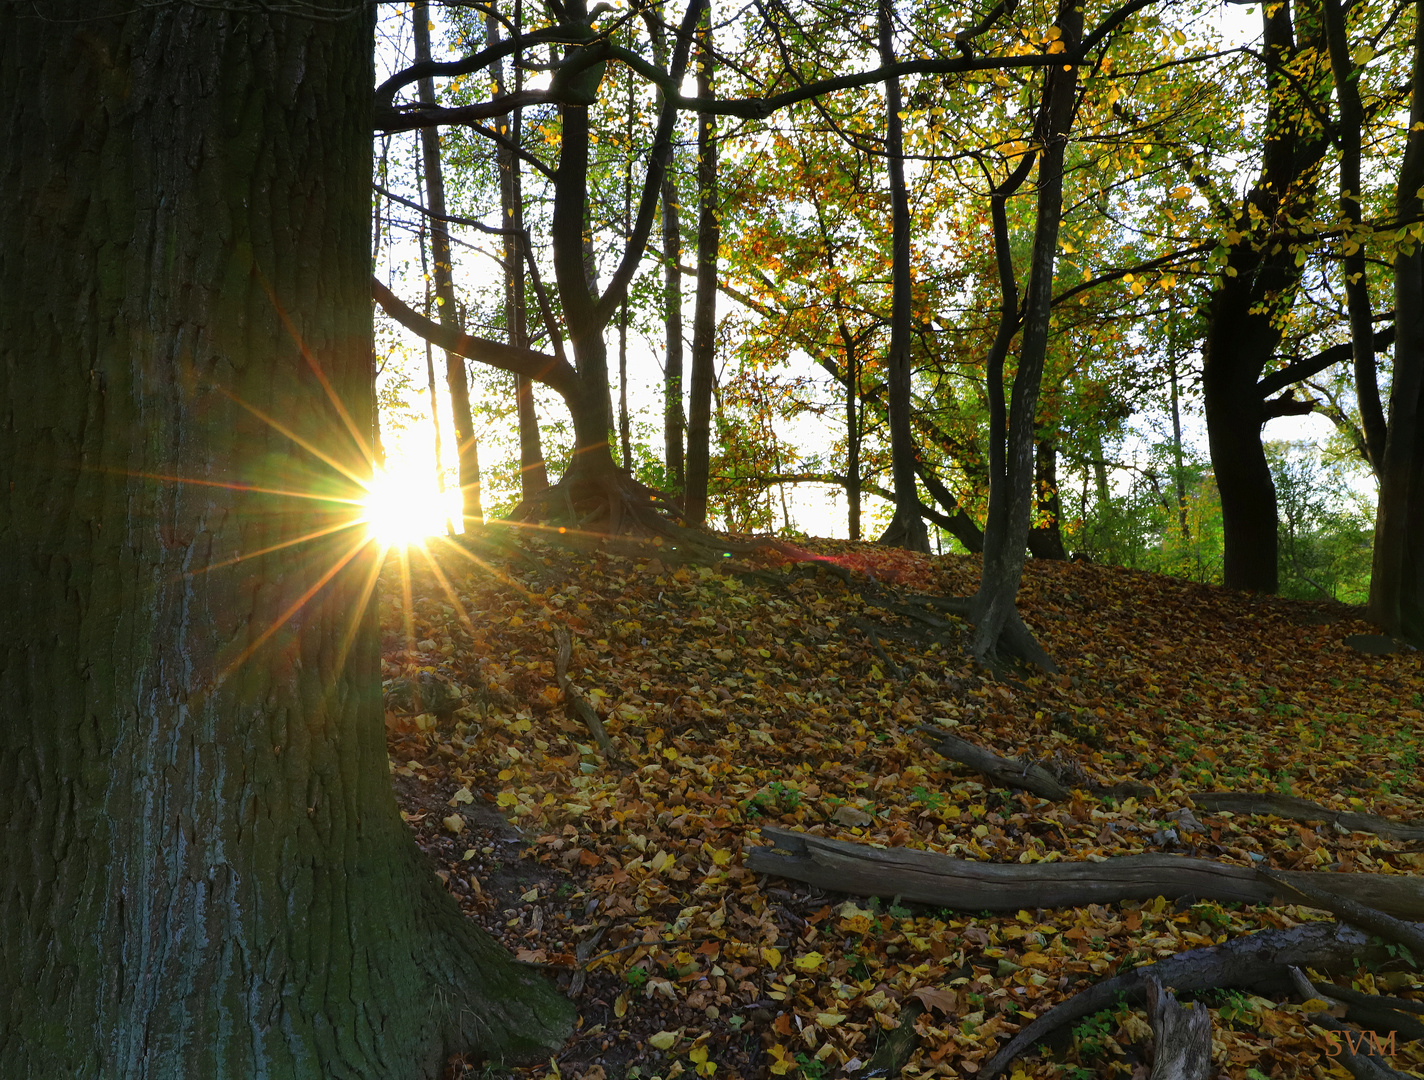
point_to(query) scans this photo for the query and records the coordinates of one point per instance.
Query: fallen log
(1256, 961)
(1045, 785)
(929, 877)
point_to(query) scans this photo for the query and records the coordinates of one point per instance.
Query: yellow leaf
(506, 798)
(829, 1020)
(455, 824)
(810, 962)
(771, 956)
(461, 796)
(620, 1005)
(698, 1054)
(663, 1040)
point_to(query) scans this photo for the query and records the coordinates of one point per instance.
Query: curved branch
(550, 370)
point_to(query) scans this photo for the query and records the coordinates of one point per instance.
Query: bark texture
(204, 871)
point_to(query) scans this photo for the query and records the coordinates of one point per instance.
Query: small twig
(893, 667)
(575, 702)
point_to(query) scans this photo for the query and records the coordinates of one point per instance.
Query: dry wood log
(1045, 785)
(1254, 961)
(1293, 809)
(1182, 1034)
(1366, 917)
(575, 702)
(928, 877)
(1031, 778)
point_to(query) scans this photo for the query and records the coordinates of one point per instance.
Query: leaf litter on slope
(749, 694)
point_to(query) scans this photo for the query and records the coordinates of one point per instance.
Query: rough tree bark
(704, 310)
(907, 528)
(205, 874)
(443, 272)
(1397, 575)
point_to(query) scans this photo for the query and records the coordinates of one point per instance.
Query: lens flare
(402, 508)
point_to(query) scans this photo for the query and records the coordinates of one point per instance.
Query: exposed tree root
(1366, 1010)
(1045, 785)
(1029, 777)
(930, 877)
(1258, 961)
(1408, 934)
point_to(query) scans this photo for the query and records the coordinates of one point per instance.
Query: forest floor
(754, 693)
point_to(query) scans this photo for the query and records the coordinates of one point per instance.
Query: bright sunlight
(404, 506)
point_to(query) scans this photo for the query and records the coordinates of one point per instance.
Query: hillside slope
(765, 692)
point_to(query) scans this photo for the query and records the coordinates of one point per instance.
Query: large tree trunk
(907, 527)
(704, 309)
(443, 273)
(205, 874)
(1246, 308)
(1397, 578)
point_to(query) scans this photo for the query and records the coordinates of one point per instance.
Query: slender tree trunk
(907, 527)
(704, 312)
(430, 378)
(1046, 540)
(1397, 578)
(674, 421)
(455, 377)
(1349, 137)
(625, 436)
(204, 872)
(533, 477)
(853, 481)
(997, 621)
(1181, 473)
